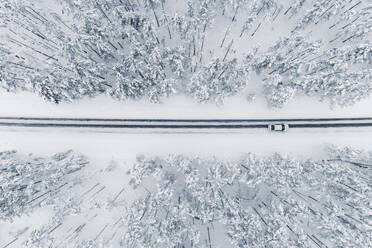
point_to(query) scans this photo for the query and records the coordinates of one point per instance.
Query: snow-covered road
(181, 124)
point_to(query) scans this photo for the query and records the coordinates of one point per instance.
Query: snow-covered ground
(29, 105)
(120, 145)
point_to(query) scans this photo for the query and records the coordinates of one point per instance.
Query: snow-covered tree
(320, 10)
(295, 6)
(275, 201)
(333, 78)
(282, 63)
(356, 25)
(151, 49)
(25, 180)
(340, 76)
(182, 201)
(218, 80)
(108, 46)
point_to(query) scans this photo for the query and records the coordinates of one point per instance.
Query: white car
(278, 127)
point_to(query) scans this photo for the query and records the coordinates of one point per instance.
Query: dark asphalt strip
(187, 120)
(330, 125)
(192, 126)
(132, 126)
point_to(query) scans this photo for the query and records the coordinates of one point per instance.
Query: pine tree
(275, 201)
(25, 180)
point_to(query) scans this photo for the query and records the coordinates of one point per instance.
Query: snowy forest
(64, 50)
(183, 201)
(185, 123)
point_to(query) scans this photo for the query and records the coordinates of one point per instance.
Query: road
(169, 124)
